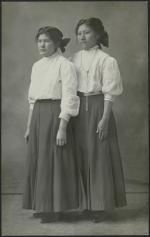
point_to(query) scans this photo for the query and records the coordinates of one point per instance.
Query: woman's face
(86, 37)
(45, 45)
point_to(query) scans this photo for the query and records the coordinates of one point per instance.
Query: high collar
(46, 59)
(91, 49)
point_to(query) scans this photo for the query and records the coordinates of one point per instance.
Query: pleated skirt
(100, 171)
(51, 183)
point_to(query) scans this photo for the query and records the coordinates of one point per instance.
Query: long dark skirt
(99, 163)
(51, 171)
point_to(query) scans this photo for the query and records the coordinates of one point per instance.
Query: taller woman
(100, 168)
(51, 176)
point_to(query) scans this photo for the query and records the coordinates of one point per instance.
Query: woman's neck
(91, 48)
(52, 55)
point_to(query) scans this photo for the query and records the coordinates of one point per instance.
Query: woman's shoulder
(76, 56)
(106, 57)
(102, 55)
(66, 62)
(38, 62)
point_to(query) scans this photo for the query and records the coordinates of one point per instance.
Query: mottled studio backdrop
(126, 23)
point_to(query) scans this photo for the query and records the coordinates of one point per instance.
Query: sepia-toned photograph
(75, 153)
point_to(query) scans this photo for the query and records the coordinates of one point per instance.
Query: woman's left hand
(61, 138)
(102, 129)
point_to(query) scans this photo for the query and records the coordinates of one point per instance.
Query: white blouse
(55, 77)
(97, 71)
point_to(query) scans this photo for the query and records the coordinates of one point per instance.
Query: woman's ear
(97, 37)
(57, 45)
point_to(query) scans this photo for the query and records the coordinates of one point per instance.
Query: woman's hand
(102, 129)
(26, 136)
(61, 138)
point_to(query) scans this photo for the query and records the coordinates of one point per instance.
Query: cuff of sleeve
(108, 97)
(31, 106)
(64, 116)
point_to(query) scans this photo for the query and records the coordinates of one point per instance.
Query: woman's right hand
(61, 138)
(26, 136)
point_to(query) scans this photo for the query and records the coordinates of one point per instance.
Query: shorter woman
(100, 168)
(51, 174)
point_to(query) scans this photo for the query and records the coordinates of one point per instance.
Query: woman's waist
(47, 101)
(45, 97)
(93, 93)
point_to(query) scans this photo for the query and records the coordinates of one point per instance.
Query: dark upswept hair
(56, 36)
(97, 26)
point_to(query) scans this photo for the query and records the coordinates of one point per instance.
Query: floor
(129, 220)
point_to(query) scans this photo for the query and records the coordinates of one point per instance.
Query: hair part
(55, 35)
(97, 26)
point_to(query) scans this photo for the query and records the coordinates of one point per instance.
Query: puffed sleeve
(31, 100)
(111, 79)
(70, 101)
